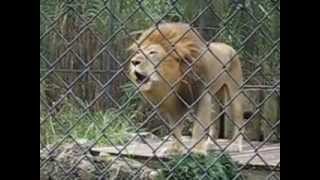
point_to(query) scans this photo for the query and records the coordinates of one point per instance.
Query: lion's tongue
(141, 78)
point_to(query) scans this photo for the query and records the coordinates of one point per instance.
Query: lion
(176, 71)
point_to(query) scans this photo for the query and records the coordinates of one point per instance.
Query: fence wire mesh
(95, 122)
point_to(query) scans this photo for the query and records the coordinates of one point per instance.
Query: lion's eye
(152, 52)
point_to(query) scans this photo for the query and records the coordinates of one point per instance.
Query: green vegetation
(89, 125)
(219, 167)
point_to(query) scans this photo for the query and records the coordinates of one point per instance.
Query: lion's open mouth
(141, 78)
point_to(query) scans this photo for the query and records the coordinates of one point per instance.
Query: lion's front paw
(173, 149)
(201, 148)
(200, 151)
(237, 145)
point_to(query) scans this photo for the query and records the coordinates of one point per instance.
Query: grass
(89, 127)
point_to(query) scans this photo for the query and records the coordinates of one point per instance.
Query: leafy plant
(194, 167)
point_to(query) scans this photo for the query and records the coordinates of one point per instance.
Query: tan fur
(163, 53)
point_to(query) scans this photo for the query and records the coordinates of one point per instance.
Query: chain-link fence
(99, 120)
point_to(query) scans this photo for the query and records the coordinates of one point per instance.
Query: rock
(145, 137)
(126, 169)
(77, 162)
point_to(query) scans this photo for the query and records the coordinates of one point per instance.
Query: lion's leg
(199, 135)
(213, 130)
(175, 147)
(236, 113)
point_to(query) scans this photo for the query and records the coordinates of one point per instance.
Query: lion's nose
(135, 62)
